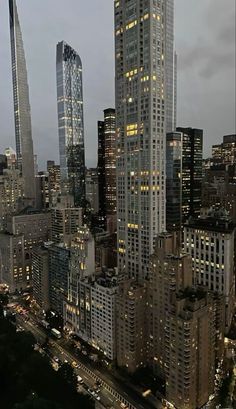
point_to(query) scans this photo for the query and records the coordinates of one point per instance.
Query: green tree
(67, 373)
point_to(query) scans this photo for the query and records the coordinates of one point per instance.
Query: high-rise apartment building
(40, 265)
(210, 241)
(141, 104)
(107, 169)
(173, 181)
(71, 122)
(101, 174)
(11, 191)
(186, 327)
(219, 188)
(66, 219)
(131, 325)
(171, 68)
(110, 160)
(12, 266)
(42, 191)
(11, 158)
(23, 233)
(225, 152)
(23, 130)
(59, 262)
(54, 180)
(192, 148)
(92, 189)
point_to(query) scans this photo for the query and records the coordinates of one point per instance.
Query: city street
(113, 394)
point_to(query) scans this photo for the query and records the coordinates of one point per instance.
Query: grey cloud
(205, 45)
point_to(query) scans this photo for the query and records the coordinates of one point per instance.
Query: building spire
(22, 115)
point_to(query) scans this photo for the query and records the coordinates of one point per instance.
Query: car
(74, 364)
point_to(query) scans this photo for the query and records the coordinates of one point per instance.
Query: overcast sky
(205, 43)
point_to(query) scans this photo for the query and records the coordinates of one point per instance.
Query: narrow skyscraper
(171, 67)
(71, 122)
(141, 106)
(192, 151)
(23, 130)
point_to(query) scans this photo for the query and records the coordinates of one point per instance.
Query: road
(113, 393)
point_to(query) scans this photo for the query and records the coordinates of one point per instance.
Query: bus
(56, 333)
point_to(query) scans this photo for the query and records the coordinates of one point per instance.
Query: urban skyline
(192, 68)
(122, 276)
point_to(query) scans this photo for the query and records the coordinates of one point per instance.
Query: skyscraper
(141, 103)
(107, 170)
(192, 147)
(187, 326)
(23, 130)
(101, 174)
(71, 122)
(110, 160)
(171, 67)
(225, 152)
(173, 181)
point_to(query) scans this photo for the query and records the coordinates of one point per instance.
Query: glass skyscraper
(23, 130)
(192, 151)
(71, 122)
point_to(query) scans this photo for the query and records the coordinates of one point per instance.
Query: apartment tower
(23, 130)
(141, 28)
(71, 122)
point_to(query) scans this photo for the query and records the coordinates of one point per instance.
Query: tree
(67, 373)
(28, 380)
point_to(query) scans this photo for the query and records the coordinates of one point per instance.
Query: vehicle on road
(74, 364)
(79, 379)
(45, 324)
(56, 333)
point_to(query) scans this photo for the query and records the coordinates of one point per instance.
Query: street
(113, 394)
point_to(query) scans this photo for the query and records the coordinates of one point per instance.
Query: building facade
(171, 68)
(225, 152)
(71, 122)
(186, 327)
(211, 242)
(89, 310)
(54, 180)
(23, 130)
(92, 189)
(192, 148)
(101, 174)
(12, 267)
(141, 76)
(66, 219)
(110, 161)
(131, 325)
(59, 264)
(173, 181)
(219, 188)
(40, 265)
(11, 191)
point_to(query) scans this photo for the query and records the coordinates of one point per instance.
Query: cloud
(205, 45)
